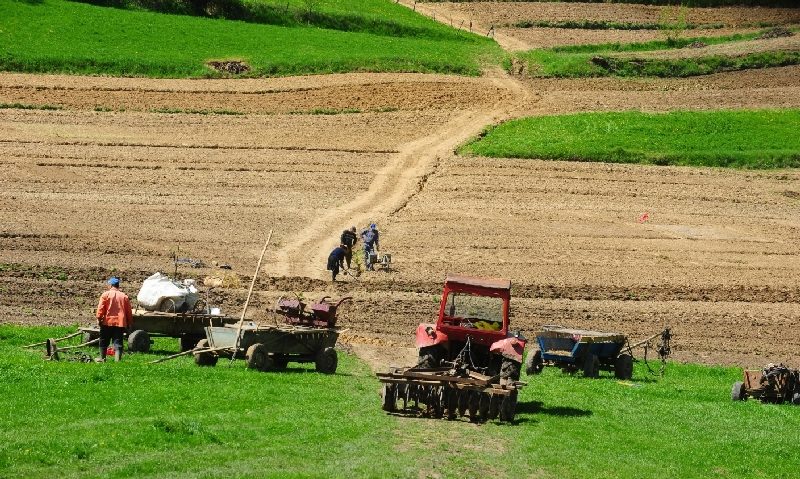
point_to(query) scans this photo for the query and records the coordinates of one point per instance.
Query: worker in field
(336, 260)
(370, 238)
(349, 240)
(114, 316)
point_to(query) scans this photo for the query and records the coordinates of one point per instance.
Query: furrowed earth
(127, 171)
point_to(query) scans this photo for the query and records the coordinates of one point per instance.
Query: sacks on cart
(159, 292)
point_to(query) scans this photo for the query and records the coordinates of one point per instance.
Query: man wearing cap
(114, 316)
(336, 260)
(370, 240)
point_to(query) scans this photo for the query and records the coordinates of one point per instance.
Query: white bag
(160, 293)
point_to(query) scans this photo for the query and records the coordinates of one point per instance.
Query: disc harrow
(449, 392)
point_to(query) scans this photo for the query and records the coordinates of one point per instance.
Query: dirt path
(393, 185)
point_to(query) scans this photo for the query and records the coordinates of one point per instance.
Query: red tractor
(473, 321)
(469, 362)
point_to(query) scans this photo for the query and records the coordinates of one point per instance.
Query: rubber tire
(205, 359)
(280, 361)
(796, 399)
(623, 366)
(326, 361)
(591, 366)
(389, 397)
(510, 369)
(508, 407)
(139, 341)
(258, 358)
(429, 357)
(534, 364)
(187, 343)
(737, 392)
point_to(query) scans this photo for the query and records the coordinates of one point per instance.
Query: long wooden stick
(186, 353)
(87, 343)
(249, 294)
(646, 340)
(59, 339)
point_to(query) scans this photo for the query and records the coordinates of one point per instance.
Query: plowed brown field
(85, 193)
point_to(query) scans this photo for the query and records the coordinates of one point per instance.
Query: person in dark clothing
(370, 239)
(349, 240)
(336, 260)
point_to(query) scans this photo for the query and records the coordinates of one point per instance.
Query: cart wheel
(389, 397)
(623, 367)
(534, 363)
(280, 361)
(737, 392)
(89, 336)
(591, 366)
(205, 359)
(187, 342)
(139, 341)
(257, 358)
(508, 407)
(327, 361)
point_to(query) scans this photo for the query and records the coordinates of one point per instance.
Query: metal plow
(449, 392)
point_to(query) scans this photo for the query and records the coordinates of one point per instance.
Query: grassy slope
(575, 61)
(133, 419)
(59, 36)
(741, 139)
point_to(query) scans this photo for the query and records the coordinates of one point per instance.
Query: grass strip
(606, 25)
(686, 67)
(25, 106)
(175, 419)
(77, 38)
(760, 139)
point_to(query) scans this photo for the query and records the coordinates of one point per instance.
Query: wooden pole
(87, 343)
(249, 294)
(59, 339)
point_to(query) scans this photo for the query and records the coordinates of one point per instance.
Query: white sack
(160, 293)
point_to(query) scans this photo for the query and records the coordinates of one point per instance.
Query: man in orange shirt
(114, 316)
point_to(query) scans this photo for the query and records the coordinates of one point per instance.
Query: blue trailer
(578, 349)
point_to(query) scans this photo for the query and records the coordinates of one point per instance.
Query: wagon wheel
(737, 392)
(623, 366)
(534, 364)
(508, 407)
(257, 358)
(205, 359)
(89, 336)
(591, 366)
(326, 361)
(139, 341)
(389, 397)
(187, 342)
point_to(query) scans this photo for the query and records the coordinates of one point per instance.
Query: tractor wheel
(280, 361)
(205, 359)
(591, 366)
(623, 367)
(187, 342)
(389, 397)
(534, 363)
(483, 406)
(737, 392)
(257, 358)
(508, 407)
(139, 341)
(326, 361)
(510, 369)
(429, 357)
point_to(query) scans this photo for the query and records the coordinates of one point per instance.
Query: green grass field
(77, 38)
(599, 60)
(68, 419)
(739, 139)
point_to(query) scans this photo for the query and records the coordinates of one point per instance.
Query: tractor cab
(474, 307)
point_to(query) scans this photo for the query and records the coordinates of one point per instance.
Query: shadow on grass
(538, 407)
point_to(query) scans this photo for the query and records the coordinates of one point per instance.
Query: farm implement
(590, 351)
(775, 383)
(469, 361)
